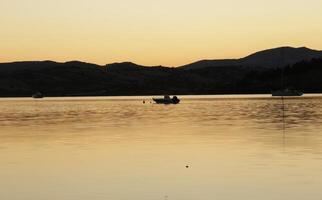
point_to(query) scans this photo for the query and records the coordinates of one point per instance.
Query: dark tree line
(82, 79)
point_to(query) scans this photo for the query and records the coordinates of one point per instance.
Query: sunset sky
(163, 32)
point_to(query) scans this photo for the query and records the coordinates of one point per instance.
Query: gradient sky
(163, 32)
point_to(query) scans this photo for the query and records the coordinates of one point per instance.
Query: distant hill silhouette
(271, 58)
(246, 77)
(129, 66)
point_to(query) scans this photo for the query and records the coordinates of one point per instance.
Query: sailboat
(38, 95)
(285, 92)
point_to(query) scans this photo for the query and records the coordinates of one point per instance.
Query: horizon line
(120, 62)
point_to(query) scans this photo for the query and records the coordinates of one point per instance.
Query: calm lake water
(236, 147)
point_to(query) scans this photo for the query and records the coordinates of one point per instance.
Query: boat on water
(38, 95)
(167, 100)
(287, 93)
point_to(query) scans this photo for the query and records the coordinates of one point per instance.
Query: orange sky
(167, 32)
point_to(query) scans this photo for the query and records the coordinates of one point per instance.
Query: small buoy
(187, 166)
(143, 102)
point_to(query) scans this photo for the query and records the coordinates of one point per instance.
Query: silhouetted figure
(175, 100)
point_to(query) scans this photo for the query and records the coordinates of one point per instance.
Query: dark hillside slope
(84, 79)
(271, 58)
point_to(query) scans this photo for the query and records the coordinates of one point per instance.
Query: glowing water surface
(121, 149)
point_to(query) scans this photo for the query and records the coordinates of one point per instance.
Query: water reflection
(123, 149)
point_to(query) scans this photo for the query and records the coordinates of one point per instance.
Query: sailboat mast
(283, 68)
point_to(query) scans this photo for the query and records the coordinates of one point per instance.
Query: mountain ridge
(269, 58)
(77, 78)
(81, 79)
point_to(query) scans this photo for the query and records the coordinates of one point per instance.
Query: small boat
(287, 93)
(167, 100)
(38, 95)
